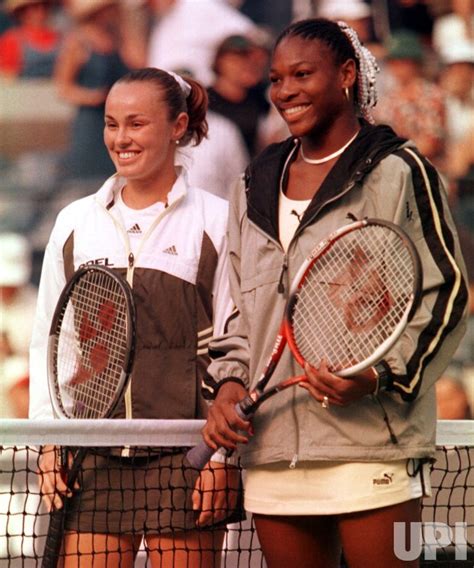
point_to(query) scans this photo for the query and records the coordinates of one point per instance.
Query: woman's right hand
(224, 428)
(53, 487)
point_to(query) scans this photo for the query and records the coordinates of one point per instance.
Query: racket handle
(202, 453)
(199, 455)
(54, 539)
(246, 408)
(57, 518)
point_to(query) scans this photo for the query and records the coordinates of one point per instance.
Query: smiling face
(138, 133)
(307, 87)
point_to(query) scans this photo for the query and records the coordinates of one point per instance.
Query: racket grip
(54, 539)
(199, 455)
(245, 408)
(202, 453)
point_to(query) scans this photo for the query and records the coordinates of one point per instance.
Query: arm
(226, 380)
(218, 486)
(51, 283)
(229, 351)
(71, 58)
(431, 338)
(134, 34)
(10, 54)
(225, 321)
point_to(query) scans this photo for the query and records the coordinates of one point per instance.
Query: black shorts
(138, 495)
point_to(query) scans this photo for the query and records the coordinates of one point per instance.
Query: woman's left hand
(216, 493)
(329, 389)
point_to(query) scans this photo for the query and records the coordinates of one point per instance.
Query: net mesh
(155, 500)
(354, 297)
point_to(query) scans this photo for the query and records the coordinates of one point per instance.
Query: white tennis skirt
(332, 488)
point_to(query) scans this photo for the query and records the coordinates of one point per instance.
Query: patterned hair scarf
(366, 76)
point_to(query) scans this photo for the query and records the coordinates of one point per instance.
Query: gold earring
(346, 92)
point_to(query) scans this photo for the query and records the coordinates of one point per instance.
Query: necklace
(327, 158)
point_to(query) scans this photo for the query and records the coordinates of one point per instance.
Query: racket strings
(353, 297)
(92, 346)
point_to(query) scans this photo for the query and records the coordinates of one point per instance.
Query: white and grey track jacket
(381, 176)
(180, 285)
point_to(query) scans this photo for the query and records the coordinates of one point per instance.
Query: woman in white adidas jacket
(169, 241)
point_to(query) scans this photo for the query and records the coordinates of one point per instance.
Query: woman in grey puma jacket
(325, 476)
(381, 176)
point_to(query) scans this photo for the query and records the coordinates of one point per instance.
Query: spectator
(29, 48)
(413, 105)
(457, 25)
(462, 362)
(6, 21)
(187, 33)
(238, 92)
(457, 81)
(413, 15)
(356, 13)
(17, 306)
(273, 16)
(93, 57)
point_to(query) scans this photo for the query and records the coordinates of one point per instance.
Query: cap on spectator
(15, 260)
(344, 9)
(14, 5)
(232, 44)
(461, 51)
(405, 44)
(81, 9)
(235, 44)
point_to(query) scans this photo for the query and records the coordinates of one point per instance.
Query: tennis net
(135, 502)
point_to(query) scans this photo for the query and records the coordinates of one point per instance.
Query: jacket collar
(263, 175)
(107, 194)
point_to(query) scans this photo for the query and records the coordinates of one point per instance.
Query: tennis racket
(348, 304)
(90, 356)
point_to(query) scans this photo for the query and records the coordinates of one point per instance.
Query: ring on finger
(325, 402)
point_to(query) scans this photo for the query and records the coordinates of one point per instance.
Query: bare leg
(302, 541)
(190, 549)
(85, 550)
(367, 537)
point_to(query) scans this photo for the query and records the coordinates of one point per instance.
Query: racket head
(91, 344)
(353, 297)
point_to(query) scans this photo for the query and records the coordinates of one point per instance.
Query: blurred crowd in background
(59, 58)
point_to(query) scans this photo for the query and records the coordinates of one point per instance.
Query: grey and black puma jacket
(381, 176)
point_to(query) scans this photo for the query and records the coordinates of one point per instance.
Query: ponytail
(196, 102)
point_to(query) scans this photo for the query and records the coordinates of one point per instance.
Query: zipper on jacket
(293, 462)
(386, 419)
(130, 269)
(127, 397)
(284, 268)
(310, 221)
